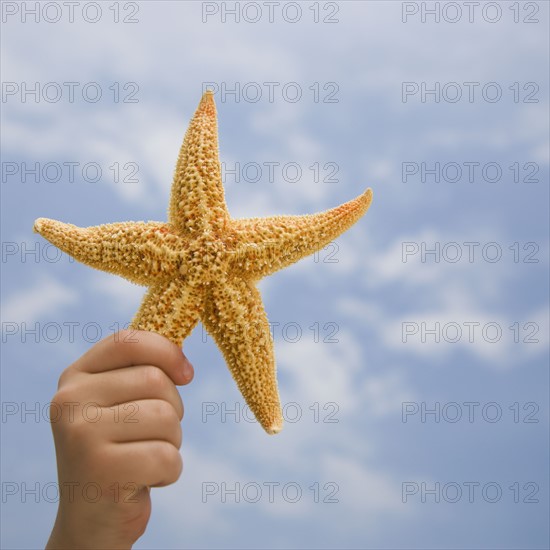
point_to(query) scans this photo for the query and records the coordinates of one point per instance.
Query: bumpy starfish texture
(203, 265)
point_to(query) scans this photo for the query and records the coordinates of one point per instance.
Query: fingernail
(188, 369)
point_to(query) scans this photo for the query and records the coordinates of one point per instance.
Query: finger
(152, 463)
(151, 419)
(121, 387)
(128, 348)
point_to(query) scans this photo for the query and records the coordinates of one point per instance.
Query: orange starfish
(204, 265)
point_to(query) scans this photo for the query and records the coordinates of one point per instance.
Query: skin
(117, 428)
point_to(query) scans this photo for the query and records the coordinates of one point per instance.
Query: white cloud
(499, 341)
(384, 394)
(199, 468)
(125, 295)
(322, 372)
(170, 53)
(42, 299)
(461, 302)
(364, 492)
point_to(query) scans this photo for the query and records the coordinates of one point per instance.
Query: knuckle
(154, 378)
(65, 377)
(178, 435)
(63, 395)
(124, 342)
(170, 462)
(64, 405)
(125, 336)
(163, 411)
(74, 421)
(76, 430)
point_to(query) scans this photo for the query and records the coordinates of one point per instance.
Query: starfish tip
(208, 97)
(207, 105)
(274, 429)
(367, 198)
(39, 224)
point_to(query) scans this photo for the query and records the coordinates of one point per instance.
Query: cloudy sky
(412, 353)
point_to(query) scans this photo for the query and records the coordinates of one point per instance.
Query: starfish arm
(197, 202)
(266, 245)
(203, 265)
(138, 251)
(171, 309)
(235, 317)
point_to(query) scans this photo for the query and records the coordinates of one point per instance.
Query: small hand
(116, 425)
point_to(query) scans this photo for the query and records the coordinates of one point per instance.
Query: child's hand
(116, 424)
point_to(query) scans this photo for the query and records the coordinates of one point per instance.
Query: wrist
(76, 531)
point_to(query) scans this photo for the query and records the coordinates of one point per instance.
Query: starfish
(204, 265)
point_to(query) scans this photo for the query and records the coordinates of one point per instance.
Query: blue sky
(357, 363)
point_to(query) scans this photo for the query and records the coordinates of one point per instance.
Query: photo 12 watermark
(471, 332)
(70, 412)
(236, 412)
(69, 171)
(291, 332)
(51, 492)
(276, 172)
(52, 332)
(469, 12)
(471, 492)
(470, 92)
(469, 252)
(69, 92)
(70, 12)
(327, 254)
(271, 92)
(270, 12)
(32, 252)
(469, 412)
(252, 492)
(469, 172)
